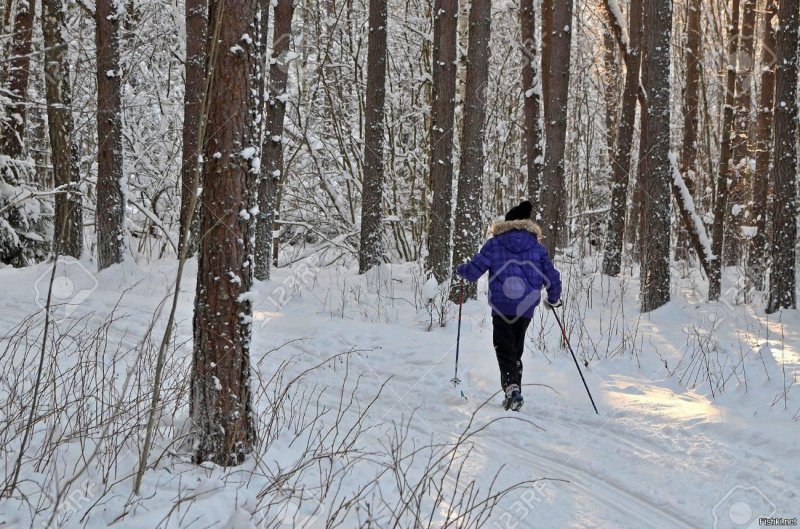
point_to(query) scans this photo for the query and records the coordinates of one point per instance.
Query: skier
(519, 268)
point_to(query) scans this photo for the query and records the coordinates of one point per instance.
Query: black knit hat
(522, 211)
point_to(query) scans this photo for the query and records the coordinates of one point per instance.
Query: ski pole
(564, 334)
(456, 381)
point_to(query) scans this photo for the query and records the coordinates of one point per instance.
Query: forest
(246, 248)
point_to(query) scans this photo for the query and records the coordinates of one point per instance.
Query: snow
(248, 152)
(749, 231)
(619, 20)
(688, 201)
(430, 290)
(668, 450)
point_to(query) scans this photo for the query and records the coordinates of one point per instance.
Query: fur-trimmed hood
(509, 225)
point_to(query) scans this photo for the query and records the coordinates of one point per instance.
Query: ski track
(604, 459)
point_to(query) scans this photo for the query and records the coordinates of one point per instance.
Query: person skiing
(519, 267)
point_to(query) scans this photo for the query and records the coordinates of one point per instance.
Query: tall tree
(12, 131)
(757, 254)
(691, 109)
(272, 148)
(221, 408)
(445, 20)
(655, 175)
(531, 91)
(195, 72)
(556, 37)
(469, 198)
(68, 225)
(110, 212)
(740, 152)
(371, 250)
(725, 169)
(612, 88)
(621, 161)
(782, 288)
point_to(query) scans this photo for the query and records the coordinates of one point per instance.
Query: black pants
(509, 344)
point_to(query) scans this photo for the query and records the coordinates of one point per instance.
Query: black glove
(556, 305)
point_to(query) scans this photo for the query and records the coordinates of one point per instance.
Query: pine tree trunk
(782, 288)
(556, 36)
(12, 131)
(68, 222)
(757, 254)
(110, 212)
(732, 252)
(612, 91)
(441, 138)
(195, 72)
(691, 106)
(371, 250)
(725, 170)
(469, 199)
(221, 409)
(654, 166)
(531, 88)
(621, 162)
(272, 149)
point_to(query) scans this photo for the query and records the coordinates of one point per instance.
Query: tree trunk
(221, 409)
(745, 63)
(371, 250)
(725, 169)
(469, 200)
(195, 71)
(612, 91)
(68, 225)
(556, 36)
(532, 93)
(782, 286)
(691, 106)
(654, 165)
(621, 162)
(441, 137)
(110, 213)
(757, 254)
(272, 149)
(12, 131)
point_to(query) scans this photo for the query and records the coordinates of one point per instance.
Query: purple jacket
(518, 266)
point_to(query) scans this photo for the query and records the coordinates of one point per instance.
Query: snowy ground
(699, 424)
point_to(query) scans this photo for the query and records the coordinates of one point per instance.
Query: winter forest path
(658, 456)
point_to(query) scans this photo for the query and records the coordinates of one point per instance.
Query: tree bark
(441, 138)
(272, 148)
(757, 253)
(745, 63)
(195, 72)
(654, 165)
(68, 225)
(782, 288)
(12, 131)
(621, 161)
(691, 107)
(532, 94)
(725, 170)
(612, 91)
(556, 37)
(469, 199)
(110, 213)
(371, 249)
(221, 409)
